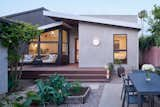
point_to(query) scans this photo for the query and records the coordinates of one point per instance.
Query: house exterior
(3, 64)
(90, 41)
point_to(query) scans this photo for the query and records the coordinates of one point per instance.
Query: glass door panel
(76, 50)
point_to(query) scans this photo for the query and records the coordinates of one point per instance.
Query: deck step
(75, 74)
(66, 71)
(88, 80)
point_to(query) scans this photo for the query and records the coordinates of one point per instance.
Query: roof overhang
(52, 25)
(92, 20)
(5, 20)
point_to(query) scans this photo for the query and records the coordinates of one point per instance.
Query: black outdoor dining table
(143, 87)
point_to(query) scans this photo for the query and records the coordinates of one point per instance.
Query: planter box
(78, 99)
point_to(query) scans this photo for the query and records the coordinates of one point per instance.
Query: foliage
(54, 90)
(13, 36)
(118, 61)
(155, 21)
(142, 14)
(146, 42)
(31, 97)
(14, 101)
(75, 86)
(158, 71)
(154, 39)
(111, 67)
(20, 101)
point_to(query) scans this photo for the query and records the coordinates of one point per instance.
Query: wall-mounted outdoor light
(95, 41)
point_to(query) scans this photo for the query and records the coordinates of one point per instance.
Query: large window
(48, 44)
(120, 48)
(64, 42)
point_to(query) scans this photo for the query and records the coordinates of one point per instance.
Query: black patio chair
(130, 94)
(126, 85)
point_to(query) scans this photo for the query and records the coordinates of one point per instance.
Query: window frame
(39, 42)
(59, 42)
(121, 50)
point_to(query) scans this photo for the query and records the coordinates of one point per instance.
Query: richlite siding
(91, 56)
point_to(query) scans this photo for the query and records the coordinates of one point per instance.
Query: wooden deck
(71, 72)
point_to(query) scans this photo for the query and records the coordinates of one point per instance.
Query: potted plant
(78, 93)
(120, 68)
(109, 70)
(148, 68)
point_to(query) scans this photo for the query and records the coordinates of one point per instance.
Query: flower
(148, 67)
(106, 67)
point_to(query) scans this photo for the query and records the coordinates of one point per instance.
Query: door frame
(76, 41)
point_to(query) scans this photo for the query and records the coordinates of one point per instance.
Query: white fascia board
(50, 25)
(91, 19)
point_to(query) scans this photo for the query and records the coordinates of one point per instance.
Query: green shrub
(75, 87)
(31, 97)
(118, 61)
(111, 67)
(14, 101)
(54, 90)
(145, 43)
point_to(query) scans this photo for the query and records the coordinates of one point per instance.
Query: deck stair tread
(88, 80)
(71, 74)
(74, 74)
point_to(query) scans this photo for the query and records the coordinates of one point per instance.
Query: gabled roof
(128, 18)
(92, 19)
(5, 20)
(34, 17)
(25, 12)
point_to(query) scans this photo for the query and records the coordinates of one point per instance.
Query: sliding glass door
(51, 46)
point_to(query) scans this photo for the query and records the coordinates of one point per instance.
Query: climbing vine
(13, 36)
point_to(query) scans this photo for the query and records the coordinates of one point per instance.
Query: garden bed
(78, 98)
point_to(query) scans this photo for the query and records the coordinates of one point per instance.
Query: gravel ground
(92, 100)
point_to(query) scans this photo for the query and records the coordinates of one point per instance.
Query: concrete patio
(111, 95)
(102, 94)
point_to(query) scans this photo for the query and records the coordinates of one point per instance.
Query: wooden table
(143, 87)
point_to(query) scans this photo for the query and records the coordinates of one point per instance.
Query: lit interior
(48, 43)
(120, 47)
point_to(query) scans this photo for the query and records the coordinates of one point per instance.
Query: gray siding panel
(91, 56)
(3, 70)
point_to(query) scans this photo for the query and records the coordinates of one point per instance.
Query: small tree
(146, 42)
(13, 36)
(154, 23)
(143, 15)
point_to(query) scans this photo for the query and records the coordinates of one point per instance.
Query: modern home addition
(90, 41)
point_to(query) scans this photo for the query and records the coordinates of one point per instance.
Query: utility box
(3, 70)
